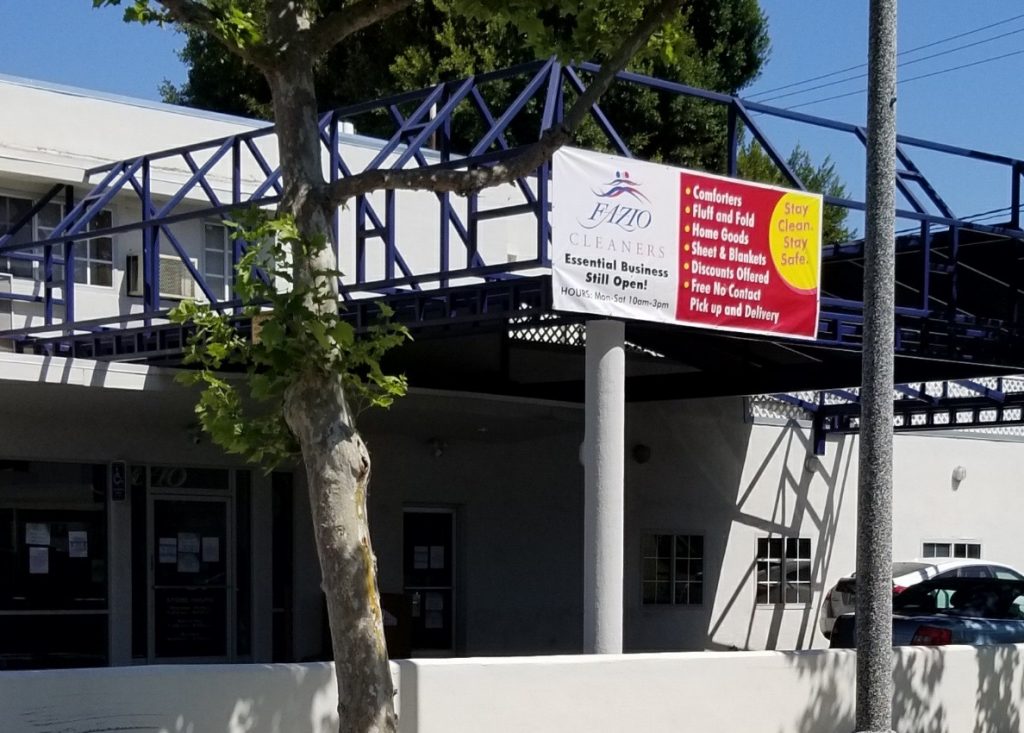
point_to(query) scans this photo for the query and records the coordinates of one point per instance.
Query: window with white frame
(217, 249)
(965, 549)
(94, 257)
(783, 570)
(673, 569)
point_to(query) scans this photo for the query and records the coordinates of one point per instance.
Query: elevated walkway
(477, 269)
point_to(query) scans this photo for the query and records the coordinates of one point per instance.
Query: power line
(901, 53)
(913, 78)
(901, 64)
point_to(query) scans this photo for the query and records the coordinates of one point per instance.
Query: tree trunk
(338, 472)
(336, 460)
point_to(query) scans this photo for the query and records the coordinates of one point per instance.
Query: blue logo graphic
(619, 185)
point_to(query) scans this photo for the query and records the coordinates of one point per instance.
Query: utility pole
(874, 495)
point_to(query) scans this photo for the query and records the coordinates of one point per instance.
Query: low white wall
(937, 691)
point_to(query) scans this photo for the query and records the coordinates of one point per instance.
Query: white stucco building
(127, 538)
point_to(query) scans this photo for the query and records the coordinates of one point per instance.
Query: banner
(650, 242)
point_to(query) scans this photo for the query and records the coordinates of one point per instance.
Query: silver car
(842, 597)
(949, 611)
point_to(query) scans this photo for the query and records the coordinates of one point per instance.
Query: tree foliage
(715, 44)
(291, 333)
(755, 164)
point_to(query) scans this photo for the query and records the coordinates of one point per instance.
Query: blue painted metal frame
(947, 405)
(422, 136)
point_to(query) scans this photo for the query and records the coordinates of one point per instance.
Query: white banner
(613, 222)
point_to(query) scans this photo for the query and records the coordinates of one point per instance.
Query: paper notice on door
(211, 549)
(421, 557)
(437, 557)
(168, 550)
(39, 560)
(78, 543)
(37, 533)
(188, 562)
(434, 620)
(435, 602)
(188, 542)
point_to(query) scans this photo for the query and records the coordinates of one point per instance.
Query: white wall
(981, 508)
(711, 473)
(947, 690)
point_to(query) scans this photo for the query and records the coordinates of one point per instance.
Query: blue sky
(976, 107)
(68, 42)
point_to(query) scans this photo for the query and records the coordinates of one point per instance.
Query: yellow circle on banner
(795, 239)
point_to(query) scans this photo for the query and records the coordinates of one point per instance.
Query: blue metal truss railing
(934, 321)
(957, 404)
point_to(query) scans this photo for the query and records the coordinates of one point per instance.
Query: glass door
(429, 568)
(191, 578)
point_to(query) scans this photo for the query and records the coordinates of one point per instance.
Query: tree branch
(197, 15)
(335, 27)
(530, 157)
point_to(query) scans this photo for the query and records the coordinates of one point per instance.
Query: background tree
(754, 164)
(310, 392)
(720, 45)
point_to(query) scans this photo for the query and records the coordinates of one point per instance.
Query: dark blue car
(950, 611)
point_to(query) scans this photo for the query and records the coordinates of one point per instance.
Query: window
(94, 258)
(217, 249)
(783, 570)
(673, 569)
(11, 210)
(970, 550)
(53, 565)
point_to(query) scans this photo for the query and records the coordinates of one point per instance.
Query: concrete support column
(604, 504)
(119, 534)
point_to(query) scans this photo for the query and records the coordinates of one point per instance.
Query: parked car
(842, 597)
(949, 611)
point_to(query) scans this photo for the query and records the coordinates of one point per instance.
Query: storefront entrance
(191, 577)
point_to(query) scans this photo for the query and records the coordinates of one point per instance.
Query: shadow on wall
(686, 485)
(917, 701)
(999, 689)
(930, 696)
(185, 699)
(793, 513)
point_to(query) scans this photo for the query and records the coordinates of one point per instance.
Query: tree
(755, 164)
(725, 44)
(285, 40)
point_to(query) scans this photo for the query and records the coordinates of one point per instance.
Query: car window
(972, 597)
(1017, 608)
(973, 571)
(946, 575)
(1005, 573)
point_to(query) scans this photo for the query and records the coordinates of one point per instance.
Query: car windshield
(977, 597)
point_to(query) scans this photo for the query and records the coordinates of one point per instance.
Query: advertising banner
(650, 242)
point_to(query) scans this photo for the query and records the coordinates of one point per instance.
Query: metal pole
(874, 496)
(604, 503)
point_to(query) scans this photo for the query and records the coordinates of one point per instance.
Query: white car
(842, 598)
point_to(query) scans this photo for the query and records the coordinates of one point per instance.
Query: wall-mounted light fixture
(437, 446)
(959, 474)
(641, 453)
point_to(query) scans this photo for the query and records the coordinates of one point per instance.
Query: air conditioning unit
(176, 282)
